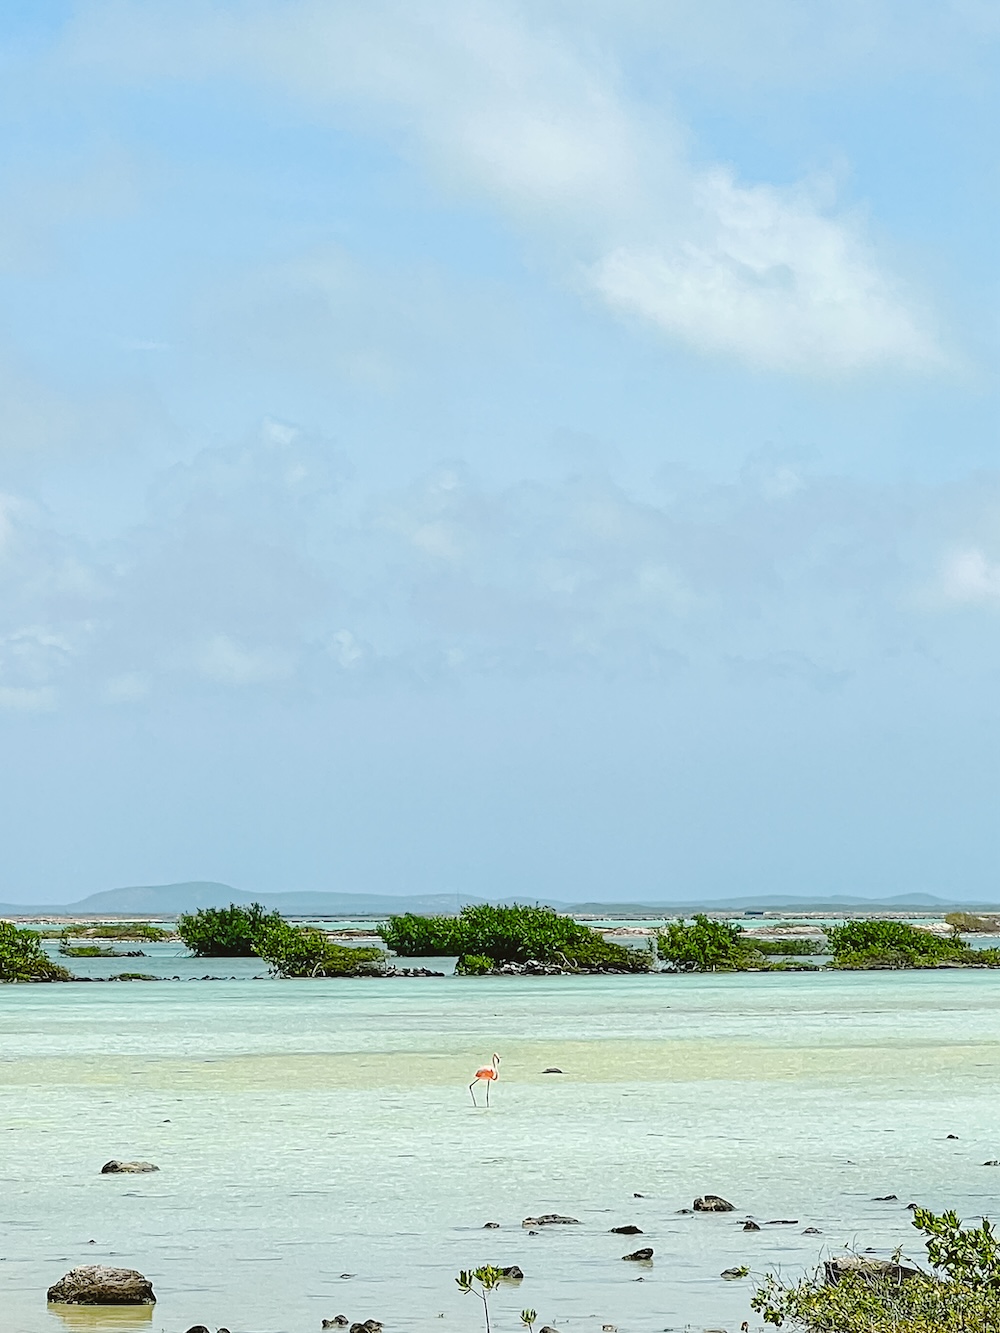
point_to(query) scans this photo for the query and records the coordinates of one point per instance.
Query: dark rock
(198, 1328)
(783, 1222)
(812, 1231)
(869, 1269)
(626, 1231)
(116, 1168)
(712, 1203)
(95, 1284)
(684, 1212)
(513, 1273)
(552, 1070)
(338, 1321)
(551, 1220)
(886, 1198)
(490, 1226)
(369, 1326)
(750, 1226)
(548, 1329)
(951, 1136)
(912, 1207)
(639, 1256)
(638, 1196)
(733, 1274)
(992, 1162)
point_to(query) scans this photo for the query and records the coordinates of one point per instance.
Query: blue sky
(498, 448)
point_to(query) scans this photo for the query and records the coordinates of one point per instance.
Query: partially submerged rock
(639, 1256)
(552, 1070)
(96, 1284)
(712, 1203)
(512, 1273)
(750, 1226)
(338, 1321)
(626, 1231)
(551, 1220)
(871, 1270)
(116, 1168)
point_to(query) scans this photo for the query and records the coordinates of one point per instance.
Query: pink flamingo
(486, 1075)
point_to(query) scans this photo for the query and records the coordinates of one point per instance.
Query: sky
(507, 448)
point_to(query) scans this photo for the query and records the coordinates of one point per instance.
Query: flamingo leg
(488, 1081)
(472, 1091)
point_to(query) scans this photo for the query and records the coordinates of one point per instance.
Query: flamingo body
(486, 1074)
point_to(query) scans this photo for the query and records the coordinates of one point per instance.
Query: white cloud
(529, 115)
(23, 699)
(230, 663)
(970, 576)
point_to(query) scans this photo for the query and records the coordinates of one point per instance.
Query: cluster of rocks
(342, 1321)
(116, 1168)
(532, 969)
(411, 972)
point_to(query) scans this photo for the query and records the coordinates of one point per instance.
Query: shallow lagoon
(307, 1130)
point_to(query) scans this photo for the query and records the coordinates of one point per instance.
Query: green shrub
(87, 951)
(304, 951)
(117, 930)
(473, 965)
(226, 932)
(707, 946)
(962, 1294)
(894, 944)
(795, 948)
(422, 936)
(22, 957)
(514, 934)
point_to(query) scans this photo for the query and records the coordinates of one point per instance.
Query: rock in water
(198, 1328)
(115, 1168)
(513, 1273)
(551, 1220)
(750, 1226)
(712, 1203)
(626, 1231)
(94, 1284)
(338, 1321)
(843, 1264)
(639, 1256)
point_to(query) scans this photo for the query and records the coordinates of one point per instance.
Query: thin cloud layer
(264, 567)
(498, 104)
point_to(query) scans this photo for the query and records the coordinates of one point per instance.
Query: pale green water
(311, 1129)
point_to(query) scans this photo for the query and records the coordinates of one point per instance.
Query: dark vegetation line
(487, 939)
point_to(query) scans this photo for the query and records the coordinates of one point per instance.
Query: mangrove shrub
(304, 951)
(22, 957)
(960, 1295)
(512, 934)
(864, 944)
(226, 932)
(703, 945)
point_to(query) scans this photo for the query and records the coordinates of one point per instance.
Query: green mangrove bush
(893, 944)
(512, 934)
(226, 932)
(703, 945)
(22, 957)
(961, 1293)
(304, 951)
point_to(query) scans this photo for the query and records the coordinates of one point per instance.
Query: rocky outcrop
(551, 1220)
(712, 1203)
(626, 1231)
(94, 1284)
(116, 1168)
(552, 1070)
(369, 1326)
(750, 1226)
(872, 1270)
(491, 1226)
(338, 1321)
(512, 1273)
(639, 1256)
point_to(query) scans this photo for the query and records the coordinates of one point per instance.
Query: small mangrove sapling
(488, 1278)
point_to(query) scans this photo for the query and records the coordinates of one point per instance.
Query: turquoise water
(307, 1130)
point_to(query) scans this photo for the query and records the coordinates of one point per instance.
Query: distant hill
(170, 899)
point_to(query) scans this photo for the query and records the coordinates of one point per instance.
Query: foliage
(87, 951)
(304, 951)
(473, 965)
(962, 1295)
(413, 936)
(512, 934)
(225, 932)
(528, 1319)
(22, 957)
(794, 948)
(480, 1282)
(117, 930)
(861, 944)
(707, 946)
